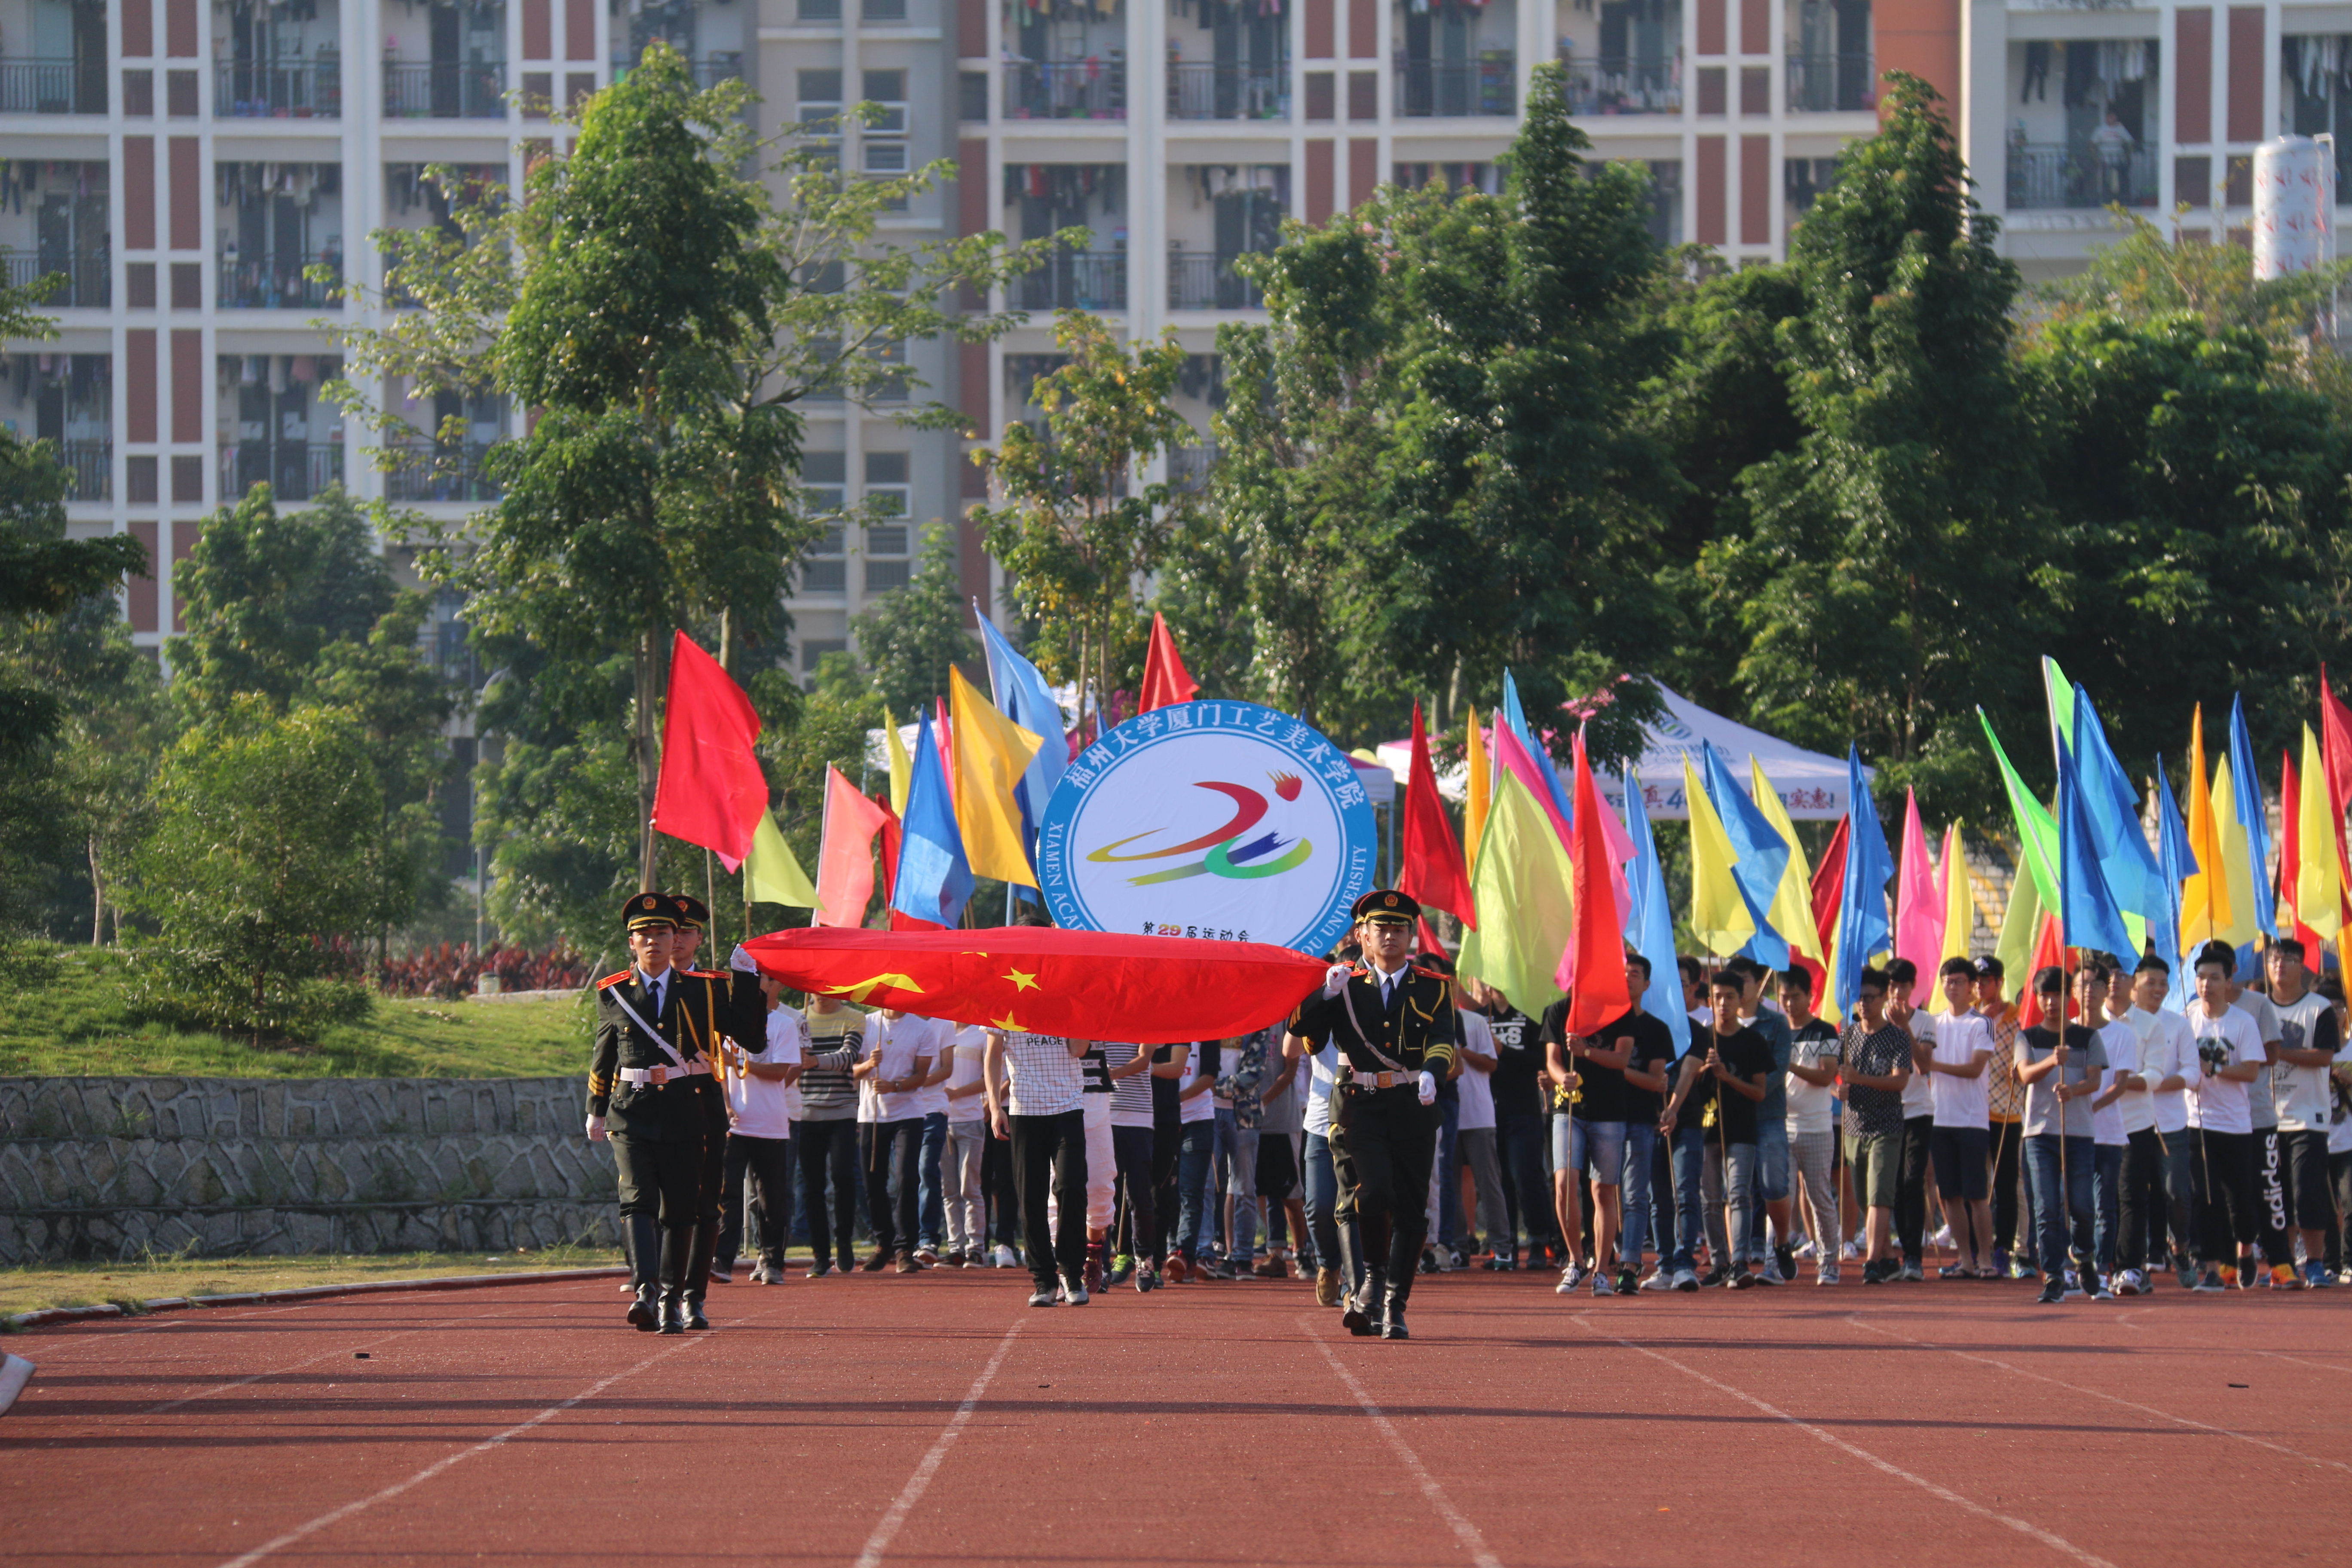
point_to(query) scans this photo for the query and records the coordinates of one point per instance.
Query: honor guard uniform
(648, 1081)
(1395, 1032)
(693, 917)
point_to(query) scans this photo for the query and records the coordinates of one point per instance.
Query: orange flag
(845, 857)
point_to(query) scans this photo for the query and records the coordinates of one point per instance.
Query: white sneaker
(1942, 1240)
(1771, 1273)
(2074, 1288)
(1570, 1279)
(1827, 1275)
(1074, 1291)
(1660, 1281)
(2130, 1282)
(1805, 1248)
(1685, 1278)
(1850, 1252)
(1004, 1259)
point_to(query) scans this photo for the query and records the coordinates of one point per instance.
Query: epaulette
(612, 979)
(705, 974)
(1425, 974)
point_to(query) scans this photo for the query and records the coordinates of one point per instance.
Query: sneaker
(1429, 1260)
(1042, 1296)
(1715, 1278)
(1944, 1241)
(1147, 1279)
(1804, 1248)
(1459, 1260)
(2229, 1273)
(1092, 1276)
(1601, 1285)
(2209, 1283)
(1661, 1280)
(1004, 1259)
(1877, 1271)
(1074, 1291)
(1911, 1271)
(878, 1262)
(1570, 1279)
(2127, 1283)
(907, 1264)
(1685, 1279)
(1122, 1267)
(2284, 1277)
(2315, 1275)
(1743, 1280)
(1270, 1267)
(2018, 1268)
(1786, 1259)
(820, 1269)
(723, 1271)
(927, 1255)
(2000, 1263)
(2188, 1276)
(1326, 1287)
(1828, 1275)
(2074, 1286)
(2052, 1292)
(1771, 1273)
(1625, 1283)
(2106, 1292)
(1174, 1269)
(1850, 1252)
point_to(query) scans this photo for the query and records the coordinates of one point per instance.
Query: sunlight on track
(916, 1484)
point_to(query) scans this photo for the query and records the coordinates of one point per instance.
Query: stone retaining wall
(112, 1167)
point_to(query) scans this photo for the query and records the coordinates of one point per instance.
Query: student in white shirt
(2150, 1068)
(2109, 1141)
(892, 1145)
(1131, 1135)
(2272, 1215)
(1952, 1060)
(2230, 1058)
(1474, 1135)
(1335, 1275)
(931, 1105)
(965, 1207)
(759, 1139)
(2308, 1040)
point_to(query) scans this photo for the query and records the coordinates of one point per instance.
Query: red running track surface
(877, 1419)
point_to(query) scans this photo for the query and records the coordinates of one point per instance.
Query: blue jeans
(1221, 1155)
(1526, 1189)
(1641, 1141)
(2060, 1206)
(931, 1221)
(2108, 1197)
(1241, 1185)
(1197, 1144)
(1690, 1204)
(1322, 1201)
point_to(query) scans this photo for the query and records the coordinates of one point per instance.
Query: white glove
(595, 1129)
(741, 960)
(1429, 1088)
(1335, 979)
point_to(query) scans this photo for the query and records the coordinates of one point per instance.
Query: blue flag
(2179, 863)
(1022, 695)
(2253, 817)
(2088, 914)
(1762, 855)
(1516, 718)
(1650, 920)
(1863, 925)
(934, 877)
(2133, 875)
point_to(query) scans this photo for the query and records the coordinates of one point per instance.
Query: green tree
(1883, 586)
(1076, 532)
(911, 638)
(258, 869)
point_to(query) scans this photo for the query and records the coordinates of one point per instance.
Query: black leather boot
(1402, 1254)
(641, 1233)
(698, 1274)
(677, 1242)
(1348, 1263)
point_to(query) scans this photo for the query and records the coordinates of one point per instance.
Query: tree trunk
(645, 748)
(97, 894)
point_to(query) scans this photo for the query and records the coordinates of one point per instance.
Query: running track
(938, 1420)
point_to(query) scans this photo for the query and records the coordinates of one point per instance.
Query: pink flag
(1918, 902)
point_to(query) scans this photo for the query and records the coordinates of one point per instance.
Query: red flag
(2046, 952)
(712, 791)
(1598, 941)
(1432, 870)
(1086, 984)
(1429, 943)
(2336, 740)
(844, 855)
(944, 732)
(1829, 884)
(1165, 678)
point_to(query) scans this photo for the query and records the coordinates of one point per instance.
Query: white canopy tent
(1811, 786)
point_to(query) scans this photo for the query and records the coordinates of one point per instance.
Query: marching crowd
(1932, 1130)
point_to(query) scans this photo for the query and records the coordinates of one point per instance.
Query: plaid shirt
(1043, 1078)
(2004, 1093)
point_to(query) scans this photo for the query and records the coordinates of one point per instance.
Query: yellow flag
(1521, 888)
(2238, 927)
(992, 752)
(1959, 909)
(2205, 896)
(902, 767)
(1791, 913)
(771, 872)
(1474, 806)
(2319, 882)
(1719, 916)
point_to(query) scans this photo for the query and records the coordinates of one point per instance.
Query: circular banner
(1224, 820)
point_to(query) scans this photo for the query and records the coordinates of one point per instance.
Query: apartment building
(2069, 109)
(189, 165)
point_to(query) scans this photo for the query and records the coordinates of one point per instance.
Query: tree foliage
(911, 637)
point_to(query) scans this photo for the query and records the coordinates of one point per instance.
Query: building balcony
(1487, 86)
(1066, 89)
(1205, 280)
(1080, 280)
(1831, 84)
(91, 463)
(273, 282)
(445, 89)
(89, 276)
(291, 89)
(1203, 92)
(1622, 84)
(40, 84)
(2046, 177)
(294, 470)
(429, 471)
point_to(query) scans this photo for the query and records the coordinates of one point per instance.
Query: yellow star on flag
(1022, 982)
(1006, 1022)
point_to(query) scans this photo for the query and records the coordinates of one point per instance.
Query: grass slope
(88, 1284)
(63, 1014)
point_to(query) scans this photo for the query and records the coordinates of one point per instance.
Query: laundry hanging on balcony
(2316, 63)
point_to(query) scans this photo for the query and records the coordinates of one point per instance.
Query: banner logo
(1225, 820)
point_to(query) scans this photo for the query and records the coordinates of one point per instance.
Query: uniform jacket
(697, 1007)
(1416, 1028)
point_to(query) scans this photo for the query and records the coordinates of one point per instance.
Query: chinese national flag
(1081, 985)
(1165, 678)
(712, 791)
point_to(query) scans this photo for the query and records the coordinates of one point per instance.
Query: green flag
(2059, 693)
(1521, 888)
(2017, 930)
(771, 872)
(2037, 831)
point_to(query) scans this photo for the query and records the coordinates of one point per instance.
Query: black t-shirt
(1600, 1093)
(1518, 1060)
(1653, 1043)
(1746, 1055)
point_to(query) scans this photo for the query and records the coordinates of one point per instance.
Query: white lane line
(935, 1455)
(336, 1515)
(2111, 1399)
(2055, 1543)
(2282, 1355)
(1464, 1531)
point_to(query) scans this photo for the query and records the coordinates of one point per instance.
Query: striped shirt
(1045, 1080)
(1130, 1104)
(827, 1091)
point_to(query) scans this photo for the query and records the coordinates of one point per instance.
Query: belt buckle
(659, 1075)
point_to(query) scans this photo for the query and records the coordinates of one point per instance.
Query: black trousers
(2008, 1162)
(1133, 1148)
(662, 1178)
(2225, 1174)
(2271, 1209)
(2144, 1201)
(768, 1163)
(1911, 1187)
(1051, 1149)
(996, 1187)
(1383, 1142)
(2339, 1181)
(830, 1147)
(892, 1154)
